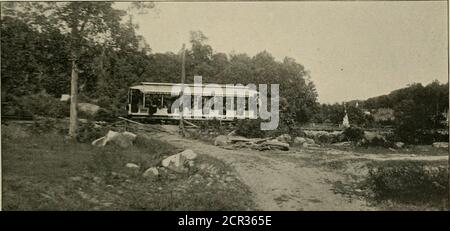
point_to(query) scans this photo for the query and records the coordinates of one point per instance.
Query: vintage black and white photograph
(224, 106)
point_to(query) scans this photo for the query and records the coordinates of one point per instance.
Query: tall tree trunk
(73, 101)
(183, 77)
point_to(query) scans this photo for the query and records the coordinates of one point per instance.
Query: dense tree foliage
(37, 52)
(38, 46)
(419, 112)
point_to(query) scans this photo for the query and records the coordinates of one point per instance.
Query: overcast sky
(354, 50)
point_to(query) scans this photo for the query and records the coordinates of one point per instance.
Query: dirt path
(278, 183)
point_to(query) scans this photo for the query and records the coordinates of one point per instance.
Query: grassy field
(48, 172)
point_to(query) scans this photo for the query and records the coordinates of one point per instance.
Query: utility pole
(183, 77)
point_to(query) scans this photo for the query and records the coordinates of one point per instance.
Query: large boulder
(124, 139)
(221, 140)
(440, 145)
(175, 163)
(88, 108)
(399, 144)
(178, 162)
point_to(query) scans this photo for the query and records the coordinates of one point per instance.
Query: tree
(82, 21)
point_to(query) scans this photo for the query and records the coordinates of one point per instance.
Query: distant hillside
(434, 95)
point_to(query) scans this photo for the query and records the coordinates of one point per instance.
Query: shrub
(353, 134)
(88, 132)
(408, 181)
(250, 128)
(324, 138)
(42, 104)
(105, 115)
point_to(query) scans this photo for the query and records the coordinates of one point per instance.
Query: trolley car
(154, 101)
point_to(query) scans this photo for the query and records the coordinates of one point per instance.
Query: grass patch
(48, 172)
(409, 182)
(423, 150)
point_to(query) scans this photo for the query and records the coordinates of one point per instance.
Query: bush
(377, 141)
(353, 134)
(42, 104)
(105, 115)
(110, 109)
(88, 132)
(250, 128)
(425, 137)
(213, 126)
(408, 181)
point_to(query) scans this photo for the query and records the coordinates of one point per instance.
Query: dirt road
(277, 183)
(292, 180)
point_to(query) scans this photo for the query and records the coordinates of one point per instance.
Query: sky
(353, 50)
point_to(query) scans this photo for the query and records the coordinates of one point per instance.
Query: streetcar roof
(191, 89)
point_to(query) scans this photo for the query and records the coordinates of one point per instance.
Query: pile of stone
(261, 144)
(178, 163)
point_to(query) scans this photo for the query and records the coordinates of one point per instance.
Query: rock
(371, 136)
(310, 141)
(129, 135)
(221, 140)
(341, 144)
(191, 163)
(399, 144)
(440, 145)
(97, 179)
(124, 139)
(229, 179)
(299, 140)
(151, 172)
(132, 166)
(88, 108)
(188, 154)
(175, 163)
(285, 138)
(65, 97)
